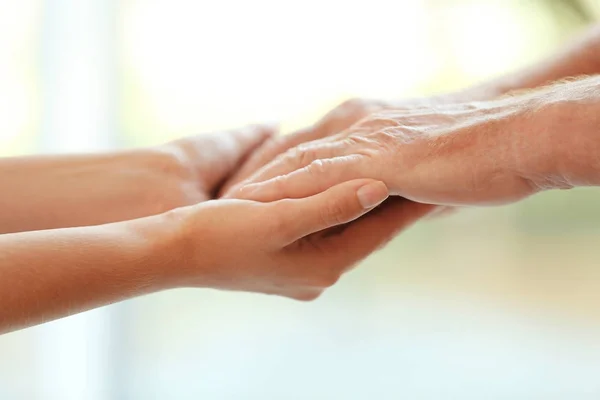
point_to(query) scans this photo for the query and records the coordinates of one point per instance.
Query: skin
(59, 191)
(580, 57)
(422, 149)
(279, 250)
(478, 153)
(292, 248)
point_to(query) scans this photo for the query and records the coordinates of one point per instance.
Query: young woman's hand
(47, 192)
(286, 247)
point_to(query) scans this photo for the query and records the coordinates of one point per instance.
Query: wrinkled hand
(457, 154)
(336, 121)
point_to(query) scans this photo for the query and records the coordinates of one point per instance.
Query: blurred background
(495, 303)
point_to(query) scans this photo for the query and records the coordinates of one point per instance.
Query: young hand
(286, 247)
(58, 191)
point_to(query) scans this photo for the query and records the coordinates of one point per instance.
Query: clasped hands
(288, 215)
(287, 207)
(294, 246)
(294, 212)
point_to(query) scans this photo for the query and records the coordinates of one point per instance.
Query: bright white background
(489, 304)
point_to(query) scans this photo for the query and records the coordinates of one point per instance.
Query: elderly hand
(337, 120)
(334, 122)
(458, 154)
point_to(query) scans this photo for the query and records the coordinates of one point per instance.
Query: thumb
(338, 205)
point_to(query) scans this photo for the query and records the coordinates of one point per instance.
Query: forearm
(580, 57)
(47, 192)
(555, 140)
(54, 273)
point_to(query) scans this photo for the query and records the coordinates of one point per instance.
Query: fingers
(223, 151)
(310, 180)
(268, 152)
(336, 121)
(250, 137)
(338, 205)
(300, 157)
(238, 144)
(367, 234)
(374, 231)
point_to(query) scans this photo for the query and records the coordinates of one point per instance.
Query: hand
(59, 191)
(282, 247)
(336, 121)
(199, 164)
(275, 248)
(456, 154)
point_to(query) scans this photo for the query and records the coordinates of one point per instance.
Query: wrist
(562, 138)
(50, 192)
(160, 241)
(575, 143)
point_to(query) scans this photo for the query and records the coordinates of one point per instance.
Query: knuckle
(282, 157)
(357, 141)
(307, 296)
(295, 158)
(362, 107)
(327, 280)
(335, 213)
(280, 185)
(321, 280)
(386, 122)
(386, 137)
(353, 104)
(365, 147)
(305, 155)
(316, 167)
(344, 115)
(277, 143)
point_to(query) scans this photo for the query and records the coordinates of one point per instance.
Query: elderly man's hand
(457, 154)
(337, 120)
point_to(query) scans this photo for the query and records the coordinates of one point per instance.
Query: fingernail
(372, 194)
